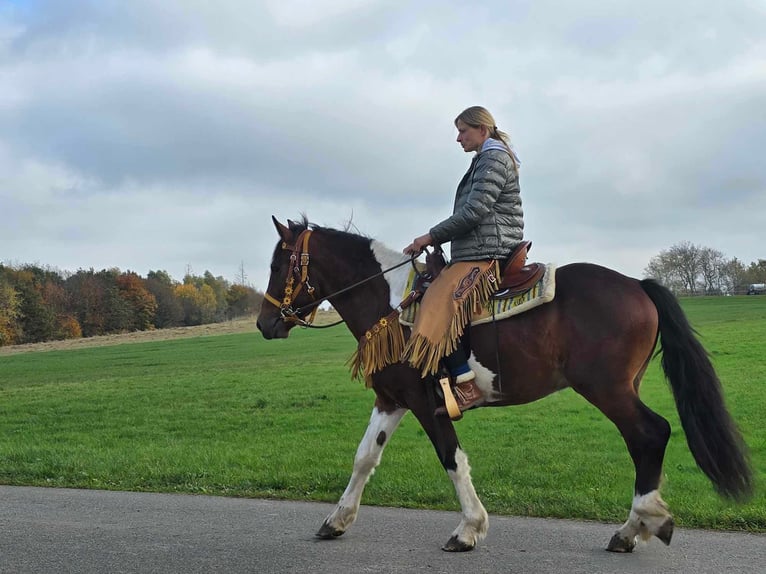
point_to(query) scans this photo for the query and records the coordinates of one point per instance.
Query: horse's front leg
(382, 425)
(475, 521)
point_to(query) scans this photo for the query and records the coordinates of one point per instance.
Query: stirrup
(449, 400)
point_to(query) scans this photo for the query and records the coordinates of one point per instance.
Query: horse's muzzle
(272, 327)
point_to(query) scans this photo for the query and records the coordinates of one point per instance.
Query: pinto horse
(597, 336)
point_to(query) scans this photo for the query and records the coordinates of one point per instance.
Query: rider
(486, 225)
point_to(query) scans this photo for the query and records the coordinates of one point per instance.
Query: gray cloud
(150, 136)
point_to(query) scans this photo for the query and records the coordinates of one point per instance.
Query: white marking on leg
(397, 279)
(647, 515)
(475, 523)
(367, 458)
(484, 378)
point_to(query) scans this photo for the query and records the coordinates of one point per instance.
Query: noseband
(299, 269)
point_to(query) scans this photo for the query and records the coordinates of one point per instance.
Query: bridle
(299, 270)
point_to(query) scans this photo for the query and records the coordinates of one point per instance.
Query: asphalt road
(86, 531)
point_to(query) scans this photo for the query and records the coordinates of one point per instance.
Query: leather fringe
(381, 346)
(425, 354)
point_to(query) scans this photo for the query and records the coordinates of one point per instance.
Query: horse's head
(312, 264)
(289, 288)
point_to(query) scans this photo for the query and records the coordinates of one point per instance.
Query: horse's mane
(355, 245)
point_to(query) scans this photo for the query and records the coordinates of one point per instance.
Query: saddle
(516, 277)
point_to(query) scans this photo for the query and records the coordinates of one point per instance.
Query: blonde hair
(478, 116)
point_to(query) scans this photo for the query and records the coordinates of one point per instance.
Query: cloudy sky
(151, 135)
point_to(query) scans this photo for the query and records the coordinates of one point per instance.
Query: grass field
(237, 415)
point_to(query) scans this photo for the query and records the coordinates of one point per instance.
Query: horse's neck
(367, 303)
(396, 278)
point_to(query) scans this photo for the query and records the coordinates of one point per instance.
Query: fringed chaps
(461, 289)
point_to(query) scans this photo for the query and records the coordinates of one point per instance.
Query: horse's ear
(284, 232)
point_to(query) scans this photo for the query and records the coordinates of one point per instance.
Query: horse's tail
(712, 436)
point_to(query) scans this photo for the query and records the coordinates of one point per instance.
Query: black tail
(712, 436)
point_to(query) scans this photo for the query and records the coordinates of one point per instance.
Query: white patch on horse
(475, 523)
(647, 516)
(397, 279)
(484, 378)
(367, 458)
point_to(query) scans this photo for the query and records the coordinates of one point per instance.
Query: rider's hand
(418, 244)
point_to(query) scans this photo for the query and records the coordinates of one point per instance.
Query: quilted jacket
(487, 220)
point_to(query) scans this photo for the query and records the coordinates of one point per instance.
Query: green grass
(237, 415)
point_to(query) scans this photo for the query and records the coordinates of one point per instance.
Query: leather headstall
(299, 269)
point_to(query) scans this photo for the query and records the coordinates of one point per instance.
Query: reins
(285, 306)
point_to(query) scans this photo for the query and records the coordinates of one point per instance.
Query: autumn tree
(143, 304)
(243, 301)
(37, 318)
(10, 311)
(96, 302)
(169, 311)
(199, 303)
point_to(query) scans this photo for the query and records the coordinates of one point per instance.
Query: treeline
(38, 304)
(690, 269)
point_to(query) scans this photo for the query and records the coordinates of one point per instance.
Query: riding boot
(467, 394)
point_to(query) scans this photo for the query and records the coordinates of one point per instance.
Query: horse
(597, 336)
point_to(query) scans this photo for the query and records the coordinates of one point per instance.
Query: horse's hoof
(455, 545)
(328, 532)
(665, 532)
(620, 544)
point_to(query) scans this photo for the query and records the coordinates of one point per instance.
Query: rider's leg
(467, 394)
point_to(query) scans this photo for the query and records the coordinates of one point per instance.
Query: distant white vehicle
(756, 289)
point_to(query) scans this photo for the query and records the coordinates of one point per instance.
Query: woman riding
(486, 225)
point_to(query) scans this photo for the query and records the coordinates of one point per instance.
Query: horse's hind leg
(646, 435)
(379, 430)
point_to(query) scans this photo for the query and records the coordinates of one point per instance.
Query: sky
(150, 135)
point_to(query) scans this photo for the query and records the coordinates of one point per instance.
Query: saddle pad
(542, 292)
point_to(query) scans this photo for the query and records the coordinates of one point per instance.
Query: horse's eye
(275, 268)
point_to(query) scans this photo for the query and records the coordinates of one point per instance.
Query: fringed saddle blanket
(542, 292)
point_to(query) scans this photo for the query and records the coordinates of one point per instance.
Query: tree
(96, 302)
(37, 318)
(687, 268)
(733, 277)
(219, 287)
(170, 312)
(661, 268)
(711, 264)
(199, 304)
(142, 303)
(10, 310)
(243, 301)
(756, 272)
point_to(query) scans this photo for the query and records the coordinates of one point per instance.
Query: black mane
(354, 245)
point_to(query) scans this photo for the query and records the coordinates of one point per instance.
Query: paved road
(80, 531)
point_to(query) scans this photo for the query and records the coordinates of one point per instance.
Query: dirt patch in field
(226, 328)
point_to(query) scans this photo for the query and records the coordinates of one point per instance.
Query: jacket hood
(492, 143)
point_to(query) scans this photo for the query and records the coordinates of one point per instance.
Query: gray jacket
(487, 220)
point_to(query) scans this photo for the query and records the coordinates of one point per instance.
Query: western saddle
(517, 277)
